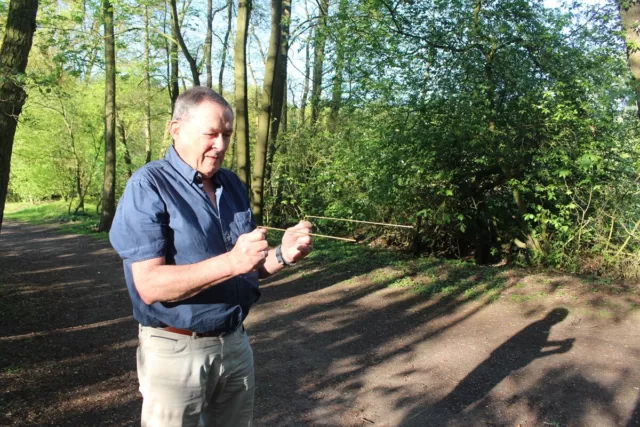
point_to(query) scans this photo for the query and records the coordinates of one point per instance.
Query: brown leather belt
(191, 333)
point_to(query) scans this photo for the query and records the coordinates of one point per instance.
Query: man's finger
(304, 240)
(302, 225)
(256, 235)
(304, 249)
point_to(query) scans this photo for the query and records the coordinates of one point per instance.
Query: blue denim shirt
(165, 212)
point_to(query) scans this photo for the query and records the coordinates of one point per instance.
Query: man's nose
(218, 143)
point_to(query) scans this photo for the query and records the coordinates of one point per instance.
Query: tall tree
(171, 44)
(243, 152)
(109, 187)
(279, 103)
(336, 96)
(147, 87)
(280, 76)
(207, 43)
(225, 45)
(305, 90)
(14, 53)
(195, 73)
(318, 59)
(262, 138)
(630, 15)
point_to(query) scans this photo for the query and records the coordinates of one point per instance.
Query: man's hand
(296, 242)
(249, 252)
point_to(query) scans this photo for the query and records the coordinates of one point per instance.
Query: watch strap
(280, 258)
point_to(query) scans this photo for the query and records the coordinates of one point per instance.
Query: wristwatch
(280, 258)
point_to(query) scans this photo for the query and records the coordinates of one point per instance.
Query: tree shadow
(316, 355)
(520, 350)
(634, 420)
(317, 333)
(67, 337)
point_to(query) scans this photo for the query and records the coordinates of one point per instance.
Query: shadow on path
(523, 348)
(634, 421)
(67, 337)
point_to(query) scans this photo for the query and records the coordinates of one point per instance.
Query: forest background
(501, 130)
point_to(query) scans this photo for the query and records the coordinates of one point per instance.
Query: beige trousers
(188, 381)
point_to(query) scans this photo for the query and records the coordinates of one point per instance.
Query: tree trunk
(256, 97)
(279, 96)
(207, 43)
(76, 158)
(195, 73)
(174, 87)
(259, 43)
(285, 109)
(225, 45)
(318, 60)
(336, 96)
(305, 90)
(630, 15)
(243, 153)
(262, 140)
(127, 156)
(14, 53)
(147, 88)
(109, 187)
(280, 76)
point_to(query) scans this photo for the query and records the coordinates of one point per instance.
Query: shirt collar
(187, 172)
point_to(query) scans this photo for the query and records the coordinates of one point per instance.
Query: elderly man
(192, 258)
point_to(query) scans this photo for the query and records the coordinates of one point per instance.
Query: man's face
(203, 136)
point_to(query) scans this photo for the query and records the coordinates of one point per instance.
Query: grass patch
(84, 222)
(520, 298)
(357, 256)
(12, 370)
(451, 279)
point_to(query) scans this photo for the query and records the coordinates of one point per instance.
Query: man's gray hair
(192, 97)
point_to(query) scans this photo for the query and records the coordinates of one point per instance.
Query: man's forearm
(168, 283)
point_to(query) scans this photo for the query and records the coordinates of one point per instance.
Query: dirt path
(334, 346)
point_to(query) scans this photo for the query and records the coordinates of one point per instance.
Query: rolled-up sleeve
(140, 226)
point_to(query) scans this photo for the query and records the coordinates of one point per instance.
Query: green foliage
(496, 125)
(490, 128)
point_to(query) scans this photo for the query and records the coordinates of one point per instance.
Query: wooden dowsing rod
(309, 234)
(363, 222)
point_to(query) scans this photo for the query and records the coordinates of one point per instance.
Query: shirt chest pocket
(242, 223)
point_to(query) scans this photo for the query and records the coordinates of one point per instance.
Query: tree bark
(243, 153)
(109, 187)
(14, 53)
(262, 139)
(225, 46)
(195, 73)
(630, 16)
(318, 60)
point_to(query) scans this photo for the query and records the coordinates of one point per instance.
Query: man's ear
(174, 129)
